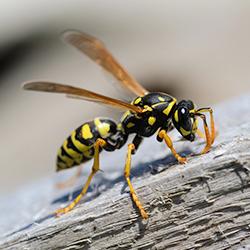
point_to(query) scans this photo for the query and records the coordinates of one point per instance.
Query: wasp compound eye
(184, 111)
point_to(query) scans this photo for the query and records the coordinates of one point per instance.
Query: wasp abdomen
(79, 146)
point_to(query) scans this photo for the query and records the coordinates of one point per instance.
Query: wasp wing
(95, 50)
(75, 92)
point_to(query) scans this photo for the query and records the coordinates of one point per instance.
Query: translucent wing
(96, 51)
(79, 93)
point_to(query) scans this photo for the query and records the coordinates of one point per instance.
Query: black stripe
(66, 154)
(71, 145)
(84, 159)
(60, 167)
(59, 159)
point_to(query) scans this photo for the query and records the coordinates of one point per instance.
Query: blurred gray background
(191, 49)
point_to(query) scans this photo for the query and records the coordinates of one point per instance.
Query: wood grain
(202, 205)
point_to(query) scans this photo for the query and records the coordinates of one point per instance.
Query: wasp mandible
(149, 113)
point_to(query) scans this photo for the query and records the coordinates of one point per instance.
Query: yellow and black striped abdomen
(79, 146)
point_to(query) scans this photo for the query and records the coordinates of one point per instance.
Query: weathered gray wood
(202, 205)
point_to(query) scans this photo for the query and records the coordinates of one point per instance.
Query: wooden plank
(202, 205)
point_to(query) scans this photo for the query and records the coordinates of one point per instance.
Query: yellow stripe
(195, 125)
(158, 104)
(78, 160)
(151, 120)
(70, 151)
(161, 99)
(130, 125)
(81, 147)
(184, 132)
(167, 110)
(176, 116)
(137, 100)
(127, 113)
(65, 158)
(102, 127)
(61, 165)
(86, 132)
(147, 108)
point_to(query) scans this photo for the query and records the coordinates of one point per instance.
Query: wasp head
(184, 120)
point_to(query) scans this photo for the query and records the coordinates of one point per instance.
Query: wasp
(148, 114)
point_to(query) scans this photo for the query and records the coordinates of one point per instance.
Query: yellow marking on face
(69, 162)
(137, 100)
(176, 116)
(167, 110)
(184, 132)
(147, 108)
(161, 99)
(192, 111)
(151, 120)
(125, 115)
(130, 125)
(80, 146)
(86, 132)
(70, 151)
(102, 127)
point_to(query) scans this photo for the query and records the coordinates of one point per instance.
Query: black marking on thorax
(158, 109)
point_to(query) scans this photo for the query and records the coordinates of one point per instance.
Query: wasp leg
(200, 134)
(137, 141)
(163, 135)
(212, 126)
(71, 181)
(99, 143)
(131, 148)
(208, 136)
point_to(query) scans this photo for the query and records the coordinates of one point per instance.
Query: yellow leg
(135, 199)
(208, 137)
(99, 143)
(71, 181)
(163, 135)
(212, 126)
(200, 134)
